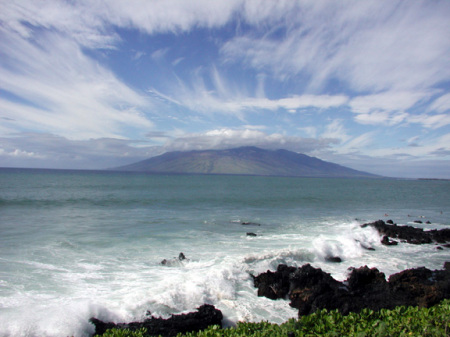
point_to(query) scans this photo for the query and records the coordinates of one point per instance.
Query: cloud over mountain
(349, 81)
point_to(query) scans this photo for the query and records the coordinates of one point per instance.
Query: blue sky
(96, 84)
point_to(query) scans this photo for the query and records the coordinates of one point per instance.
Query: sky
(94, 84)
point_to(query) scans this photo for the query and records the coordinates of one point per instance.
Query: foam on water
(59, 293)
(117, 288)
(92, 246)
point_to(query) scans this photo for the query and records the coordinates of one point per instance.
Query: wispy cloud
(427, 149)
(81, 21)
(223, 96)
(177, 74)
(432, 121)
(159, 54)
(390, 108)
(336, 130)
(387, 101)
(71, 94)
(368, 45)
(441, 104)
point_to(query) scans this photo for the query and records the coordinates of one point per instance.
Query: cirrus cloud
(360, 78)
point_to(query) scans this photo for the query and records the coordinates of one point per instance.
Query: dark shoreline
(408, 234)
(310, 289)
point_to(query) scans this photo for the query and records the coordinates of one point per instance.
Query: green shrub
(125, 333)
(401, 321)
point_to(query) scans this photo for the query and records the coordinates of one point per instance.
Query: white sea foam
(99, 256)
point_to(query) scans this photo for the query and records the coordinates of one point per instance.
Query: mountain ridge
(247, 160)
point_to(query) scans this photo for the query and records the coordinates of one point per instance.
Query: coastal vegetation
(400, 321)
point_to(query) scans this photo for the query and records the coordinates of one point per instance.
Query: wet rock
(276, 284)
(251, 234)
(335, 259)
(385, 241)
(175, 261)
(421, 286)
(410, 234)
(250, 224)
(205, 316)
(440, 236)
(365, 279)
(310, 289)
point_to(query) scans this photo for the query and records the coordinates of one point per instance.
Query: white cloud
(71, 94)
(230, 138)
(386, 101)
(381, 118)
(431, 121)
(359, 143)
(21, 154)
(336, 130)
(441, 104)
(393, 55)
(289, 103)
(390, 108)
(370, 45)
(159, 54)
(431, 148)
(223, 96)
(79, 21)
(427, 159)
(138, 55)
(51, 151)
(311, 131)
(47, 150)
(164, 16)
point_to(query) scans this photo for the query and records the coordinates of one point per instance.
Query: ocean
(78, 244)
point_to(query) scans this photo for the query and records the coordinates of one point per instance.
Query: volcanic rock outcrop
(409, 234)
(205, 316)
(310, 289)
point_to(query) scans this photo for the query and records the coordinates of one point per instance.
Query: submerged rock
(250, 224)
(310, 289)
(205, 316)
(174, 261)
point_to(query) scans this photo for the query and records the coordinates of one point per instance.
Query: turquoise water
(77, 244)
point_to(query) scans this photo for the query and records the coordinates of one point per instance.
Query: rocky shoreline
(205, 316)
(310, 289)
(413, 235)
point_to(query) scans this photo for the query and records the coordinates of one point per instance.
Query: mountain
(243, 161)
